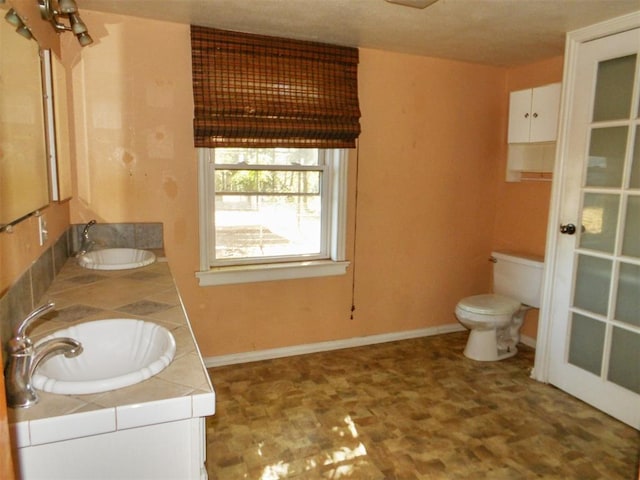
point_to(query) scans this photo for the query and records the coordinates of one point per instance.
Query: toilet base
(482, 346)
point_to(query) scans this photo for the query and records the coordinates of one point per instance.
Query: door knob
(568, 229)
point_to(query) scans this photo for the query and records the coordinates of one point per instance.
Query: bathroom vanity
(151, 430)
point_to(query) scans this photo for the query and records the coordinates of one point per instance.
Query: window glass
(268, 156)
(271, 204)
(614, 87)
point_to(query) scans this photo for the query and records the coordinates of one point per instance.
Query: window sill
(271, 272)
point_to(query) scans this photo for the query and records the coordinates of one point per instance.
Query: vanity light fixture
(14, 19)
(54, 11)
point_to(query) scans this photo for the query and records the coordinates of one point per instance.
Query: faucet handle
(20, 331)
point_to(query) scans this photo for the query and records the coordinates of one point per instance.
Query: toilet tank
(518, 276)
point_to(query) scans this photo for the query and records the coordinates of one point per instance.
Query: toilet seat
(489, 304)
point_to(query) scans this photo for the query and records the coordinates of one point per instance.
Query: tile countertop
(181, 391)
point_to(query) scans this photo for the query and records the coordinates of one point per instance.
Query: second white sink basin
(116, 259)
(116, 353)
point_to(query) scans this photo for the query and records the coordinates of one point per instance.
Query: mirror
(23, 155)
(57, 124)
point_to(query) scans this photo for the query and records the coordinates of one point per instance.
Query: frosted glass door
(596, 350)
(605, 313)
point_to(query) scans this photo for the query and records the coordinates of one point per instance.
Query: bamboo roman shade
(257, 91)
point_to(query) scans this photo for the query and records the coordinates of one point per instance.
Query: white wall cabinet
(533, 114)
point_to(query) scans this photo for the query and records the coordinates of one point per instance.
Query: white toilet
(494, 320)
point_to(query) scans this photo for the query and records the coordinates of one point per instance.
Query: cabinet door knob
(535, 115)
(568, 229)
(526, 115)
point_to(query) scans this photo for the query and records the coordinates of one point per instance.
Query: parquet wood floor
(413, 409)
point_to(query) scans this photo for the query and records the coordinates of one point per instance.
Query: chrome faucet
(85, 243)
(24, 358)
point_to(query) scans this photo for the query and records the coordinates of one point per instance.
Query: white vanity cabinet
(533, 114)
(151, 430)
(171, 451)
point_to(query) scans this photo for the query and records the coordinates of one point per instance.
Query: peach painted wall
(431, 138)
(522, 208)
(428, 166)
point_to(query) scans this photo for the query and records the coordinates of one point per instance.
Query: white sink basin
(116, 259)
(116, 353)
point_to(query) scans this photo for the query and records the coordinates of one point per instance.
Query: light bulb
(13, 18)
(84, 39)
(25, 32)
(77, 25)
(68, 6)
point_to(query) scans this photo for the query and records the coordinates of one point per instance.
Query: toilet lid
(490, 304)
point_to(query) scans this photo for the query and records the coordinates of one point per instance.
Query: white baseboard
(246, 357)
(528, 341)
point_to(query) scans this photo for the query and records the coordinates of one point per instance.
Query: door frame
(573, 41)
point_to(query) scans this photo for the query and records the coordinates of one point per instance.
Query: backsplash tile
(14, 306)
(149, 235)
(103, 235)
(20, 300)
(42, 274)
(5, 328)
(61, 252)
(120, 235)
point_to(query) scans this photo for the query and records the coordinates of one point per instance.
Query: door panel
(595, 310)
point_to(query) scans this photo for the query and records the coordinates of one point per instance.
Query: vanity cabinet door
(533, 114)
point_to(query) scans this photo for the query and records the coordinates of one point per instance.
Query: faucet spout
(69, 347)
(85, 243)
(24, 358)
(20, 330)
(85, 231)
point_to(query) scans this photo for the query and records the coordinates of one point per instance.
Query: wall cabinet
(533, 114)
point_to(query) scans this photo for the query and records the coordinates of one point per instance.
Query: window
(273, 118)
(271, 213)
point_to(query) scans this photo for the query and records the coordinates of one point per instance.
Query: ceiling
(492, 32)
